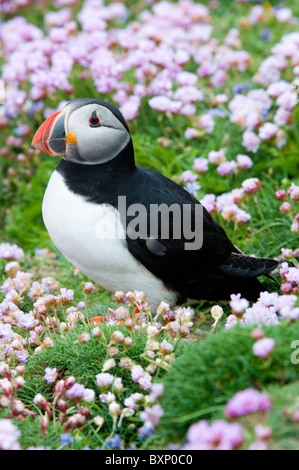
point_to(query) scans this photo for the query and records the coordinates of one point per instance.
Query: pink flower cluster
(270, 307)
(227, 204)
(10, 252)
(218, 435)
(9, 7)
(246, 402)
(289, 206)
(155, 48)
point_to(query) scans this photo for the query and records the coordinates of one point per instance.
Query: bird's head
(86, 131)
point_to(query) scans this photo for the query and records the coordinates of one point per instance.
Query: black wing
(193, 273)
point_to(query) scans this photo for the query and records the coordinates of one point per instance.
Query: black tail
(245, 267)
(249, 289)
(238, 275)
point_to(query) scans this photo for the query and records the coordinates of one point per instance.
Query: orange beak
(50, 136)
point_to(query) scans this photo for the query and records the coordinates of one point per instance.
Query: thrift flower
(246, 402)
(9, 435)
(50, 375)
(263, 347)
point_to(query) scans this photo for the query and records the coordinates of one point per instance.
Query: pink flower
(137, 373)
(191, 133)
(104, 379)
(76, 392)
(283, 15)
(152, 415)
(238, 304)
(200, 165)
(281, 195)
(9, 435)
(66, 296)
(293, 192)
(26, 321)
(286, 208)
(251, 141)
(216, 156)
(246, 402)
(209, 202)
(282, 117)
(11, 252)
(206, 122)
(219, 435)
(268, 131)
(244, 162)
(50, 375)
(251, 185)
(226, 168)
(131, 107)
(188, 177)
(263, 347)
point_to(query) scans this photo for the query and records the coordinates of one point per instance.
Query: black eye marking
(94, 120)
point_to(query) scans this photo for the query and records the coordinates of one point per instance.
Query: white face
(100, 136)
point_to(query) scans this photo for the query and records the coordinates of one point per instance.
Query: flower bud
(165, 347)
(7, 388)
(125, 363)
(128, 323)
(128, 342)
(152, 331)
(130, 297)
(151, 369)
(18, 408)
(83, 338)
(114, 409)
(84, 411)
(216, 312)
(4, 402)
(44, 422)
(69, 382)
(113, 351)
(173, 328)
(257, 333)
(5, 370)
(116, 337)
(97, 332)
(16, 344)
(152, 344)
(184, 331)
(20, 370)
(19, 382)
(162, 309)
(109, 364)
(75, 421)
(62, 405)
(40, 401)
(88, 288)
(99, 421)
(140, 297)
(150, 354)
(47, 343)
(117, 385)
(121, 313)
(119, 297)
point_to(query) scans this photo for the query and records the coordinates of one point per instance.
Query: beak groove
(50, 136)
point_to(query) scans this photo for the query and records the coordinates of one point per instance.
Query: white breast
(92, 238)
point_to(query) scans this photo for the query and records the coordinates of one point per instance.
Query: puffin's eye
(94, 120)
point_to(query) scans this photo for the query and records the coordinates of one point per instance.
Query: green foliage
(211, 371)
(82, 361)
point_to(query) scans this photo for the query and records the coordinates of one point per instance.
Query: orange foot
(97, 320)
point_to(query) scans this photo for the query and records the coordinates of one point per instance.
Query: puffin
(98, 210)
